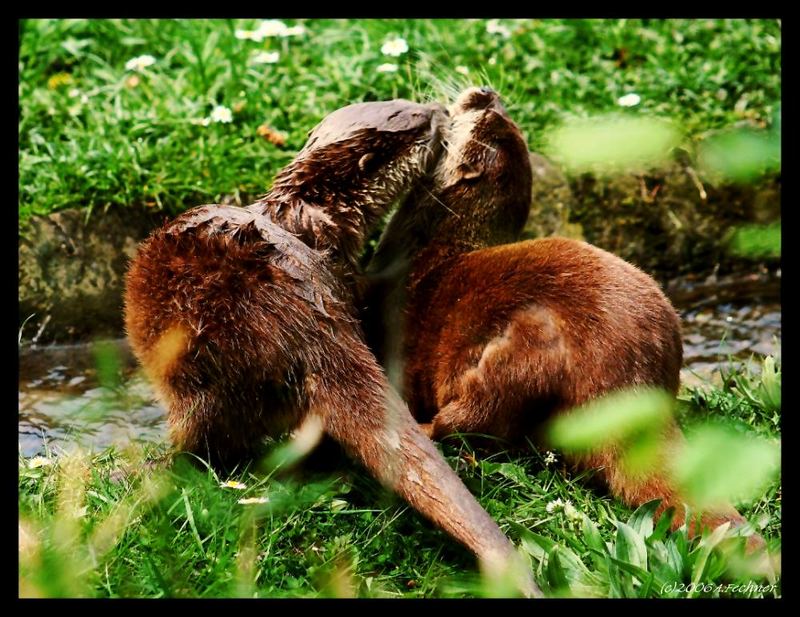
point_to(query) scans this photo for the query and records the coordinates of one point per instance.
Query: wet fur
(244, 320)
(489, 337)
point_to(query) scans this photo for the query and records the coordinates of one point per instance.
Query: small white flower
(221, 114)
(233, 484)
(629, 100)
(271, 27)
(139, 62)
(395, 47)
(493, 26)
(246, 35)
(251, 500)
(492, 61)
(39, 461)
(462, 69)
(387, 68)
(571, 511)
(295, 31)
(554, 505)
(550, 457)
(267, 57)
(73, 93)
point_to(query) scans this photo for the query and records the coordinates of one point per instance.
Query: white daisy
(267, 57)
(248, 35)
(233, 484)
(139, 62)
(39, 461)
(554, 505)
(395, 47)
(629, 100)
(295, 31)
(272, 27)
(221, 114)
(571, 511)
(493, 26)
(251, 500)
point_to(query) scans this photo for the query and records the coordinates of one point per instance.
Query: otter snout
(476, 99)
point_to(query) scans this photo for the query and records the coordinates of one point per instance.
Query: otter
(244, 318)
(486, 335)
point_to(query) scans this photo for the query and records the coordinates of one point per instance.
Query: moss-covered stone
(71, 272)
(667, 221)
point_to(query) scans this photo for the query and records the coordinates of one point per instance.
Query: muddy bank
(72, 270)
(669, 222)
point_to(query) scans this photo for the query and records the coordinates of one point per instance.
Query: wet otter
(244, 320)
(496, 337)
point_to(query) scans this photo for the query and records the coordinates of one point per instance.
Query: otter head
(479, 193)
(359, 160)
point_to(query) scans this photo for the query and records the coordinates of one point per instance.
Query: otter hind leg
(516, 382)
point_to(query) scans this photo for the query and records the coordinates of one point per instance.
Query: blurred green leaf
(108, 364)
(740, 155)
(721, 465)
(611, 419)
(613, 144)
(756, 241)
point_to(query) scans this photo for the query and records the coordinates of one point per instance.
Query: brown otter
(244, 320)
(495, 338)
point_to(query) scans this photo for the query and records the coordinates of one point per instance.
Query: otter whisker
(436, 199)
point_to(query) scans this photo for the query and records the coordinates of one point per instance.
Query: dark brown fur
(243, 318)
(496, 339)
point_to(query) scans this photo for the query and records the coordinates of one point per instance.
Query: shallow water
(61, 401)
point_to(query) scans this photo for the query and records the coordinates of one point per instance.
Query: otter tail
(368, 418)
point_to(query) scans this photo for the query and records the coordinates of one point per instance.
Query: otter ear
(470, 171)
(364, 163)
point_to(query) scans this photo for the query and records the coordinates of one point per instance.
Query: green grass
(329, 530)
(90, 137)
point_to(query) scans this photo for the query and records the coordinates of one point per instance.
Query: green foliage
(613, 144)
(125, 524)
(611, 419)
(94, 134)
(757, 241)
(720, 464)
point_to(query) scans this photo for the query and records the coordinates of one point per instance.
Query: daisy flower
(295, 31)
(252, 500)
(267, 57)
(272, 27)
(629, 100)
(554, 505)
(233, 484)
(395, 47)
(139, 63)
(39, 461)
(493, 26)
(221, 114)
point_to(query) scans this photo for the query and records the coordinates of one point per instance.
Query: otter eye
(364, 161)
(469, 171)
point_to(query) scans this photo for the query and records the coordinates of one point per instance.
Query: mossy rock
(72, 269)
(667, 221)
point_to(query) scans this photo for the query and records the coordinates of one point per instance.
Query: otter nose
(475, 99)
